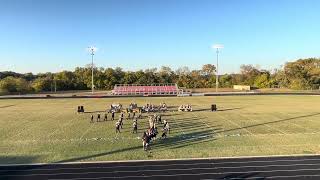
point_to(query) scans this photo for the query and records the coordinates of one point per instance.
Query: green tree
(249, 73)
(42, 84)
(14, 85)
(208, 70)
(225, 80)
(262, 81)
(129, 78)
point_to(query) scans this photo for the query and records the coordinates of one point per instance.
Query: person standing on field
(98, 117)
(112, 116)
(105, 117)
(117, 127)
(91, 118)
(135, 127)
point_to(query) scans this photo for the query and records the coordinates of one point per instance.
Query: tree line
(302, 74)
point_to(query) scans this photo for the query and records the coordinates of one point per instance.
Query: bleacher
(138, 89)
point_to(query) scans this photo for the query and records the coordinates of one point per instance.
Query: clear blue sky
(51, 35)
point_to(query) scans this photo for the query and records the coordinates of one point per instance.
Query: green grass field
(50, 130)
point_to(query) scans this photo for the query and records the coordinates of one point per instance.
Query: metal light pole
(217, 47)
(92, 50)
(55, 86)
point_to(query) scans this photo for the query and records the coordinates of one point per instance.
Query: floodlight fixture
(217, 46)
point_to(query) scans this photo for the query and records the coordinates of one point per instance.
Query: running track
(300, 167)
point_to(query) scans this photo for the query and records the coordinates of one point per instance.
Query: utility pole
(55, 86)
(92, 50)
(217, 47)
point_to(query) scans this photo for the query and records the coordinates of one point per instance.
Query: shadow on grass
(173, 107)
(199, 134)
(17, 159)
(230, 109)
(168, 115)
(191, 131)
(7, 106)
(271, 122)
(184, 140)
(6, 172)
(200, 110)
(95, 112)
(100, 154)
(209, 109)
(189, 119)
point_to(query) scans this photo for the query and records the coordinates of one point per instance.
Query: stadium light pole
(217, 47)
(92, 50)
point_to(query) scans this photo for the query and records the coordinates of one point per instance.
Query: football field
(50, 130)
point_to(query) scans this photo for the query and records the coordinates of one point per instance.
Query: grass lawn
(50, 130)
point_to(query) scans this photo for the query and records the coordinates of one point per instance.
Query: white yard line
(264, 124)
(38, 125)
(305, 128)
(60, 128)
(217, 113)
(177, 124)
(210, 127)
(195, 116)
(92, 124)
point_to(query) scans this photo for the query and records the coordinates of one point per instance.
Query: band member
(135, 127)
(121, 122)
(98, 117)
(129, 115)
(105, 117)
(164, 133)
(117, 127)
(91, 118)
(145, 141)
(112, 116)
(165, 123)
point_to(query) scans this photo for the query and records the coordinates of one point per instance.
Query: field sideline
(50, 130)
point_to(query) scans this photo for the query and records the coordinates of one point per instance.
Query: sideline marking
(182, 159)
(171, 175)
(187, 164)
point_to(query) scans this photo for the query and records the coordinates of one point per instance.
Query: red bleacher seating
(126, 89)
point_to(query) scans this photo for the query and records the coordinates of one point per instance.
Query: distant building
(241, 87)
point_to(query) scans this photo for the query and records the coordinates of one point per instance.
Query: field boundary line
(180, 169)
(181, 159)
(254, 177)
(200, 174)
(186, 164)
